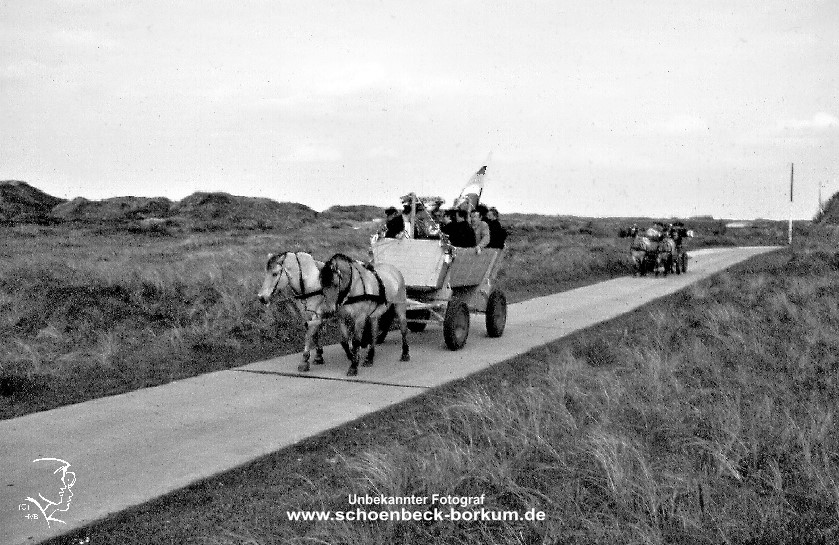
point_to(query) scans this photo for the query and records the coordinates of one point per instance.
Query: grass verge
(705, 417)
(90, 312)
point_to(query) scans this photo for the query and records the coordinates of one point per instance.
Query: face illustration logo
(56, 499)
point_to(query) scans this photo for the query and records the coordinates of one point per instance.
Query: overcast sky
(589, 108)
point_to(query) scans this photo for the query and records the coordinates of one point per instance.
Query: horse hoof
(318, 361)
(352, 372)
(405, 357)
(367, 364)
(303, 367)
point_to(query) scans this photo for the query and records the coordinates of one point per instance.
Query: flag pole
(789, 231)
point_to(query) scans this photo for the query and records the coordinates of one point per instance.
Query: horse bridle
(299, 296)
(342, 294)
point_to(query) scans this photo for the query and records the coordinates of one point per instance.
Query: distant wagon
(658, 251)
(446, 284)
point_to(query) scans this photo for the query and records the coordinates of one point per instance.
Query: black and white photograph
(394, 272)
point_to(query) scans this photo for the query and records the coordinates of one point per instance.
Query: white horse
(296, 276)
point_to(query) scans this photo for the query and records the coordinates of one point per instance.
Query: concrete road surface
(127, 449)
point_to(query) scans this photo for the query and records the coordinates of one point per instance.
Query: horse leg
(350, 342)
(353, 370)
(316, 340)
(401, 314)
(386, 321)
(345, 339)
(373, 324)
(312, 327)
(347, 349)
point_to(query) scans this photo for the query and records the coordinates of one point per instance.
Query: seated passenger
(459, 231)
(394, 224)
(497, 233)
(406, 221)
(481, 229)
(656, 232)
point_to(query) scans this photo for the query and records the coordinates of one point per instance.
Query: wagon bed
(446, 283)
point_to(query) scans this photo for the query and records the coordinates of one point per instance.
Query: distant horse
(296, 276)
(361, 294)
(665, 256)
(643, 253)
(679, 233)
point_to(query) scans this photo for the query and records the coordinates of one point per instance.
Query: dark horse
(361, 294)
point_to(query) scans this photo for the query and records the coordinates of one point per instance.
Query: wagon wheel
(456, 324)
(418, 314)
(385, 321)
(496, 313)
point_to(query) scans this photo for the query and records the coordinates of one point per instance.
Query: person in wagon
(677, 233)
(480, 227)
(394, 223)
(459, 231)
(655, 232)
(497, 233)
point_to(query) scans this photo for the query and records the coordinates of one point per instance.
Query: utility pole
(791, 173)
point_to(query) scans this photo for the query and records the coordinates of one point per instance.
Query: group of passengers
(479, 229)
(677, 231)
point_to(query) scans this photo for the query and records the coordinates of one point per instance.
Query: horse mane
(327, 272)
(273, 260)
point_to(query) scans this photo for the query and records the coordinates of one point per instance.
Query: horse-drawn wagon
(445, 284)
(657, 251)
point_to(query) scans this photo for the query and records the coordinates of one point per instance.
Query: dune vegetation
(704, 417)
(93, 309)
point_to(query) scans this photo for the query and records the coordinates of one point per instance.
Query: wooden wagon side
(445, 284)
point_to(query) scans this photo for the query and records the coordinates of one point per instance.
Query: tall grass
(707, 417)
(710, 419)
(91, 312)
(90, 315)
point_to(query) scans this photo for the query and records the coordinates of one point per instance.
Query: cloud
(821, 121)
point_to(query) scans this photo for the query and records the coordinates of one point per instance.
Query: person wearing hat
(394, 224)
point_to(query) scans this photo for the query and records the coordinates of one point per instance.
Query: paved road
(127, 449)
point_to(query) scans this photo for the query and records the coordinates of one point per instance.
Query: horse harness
(379, 298)
(302, 296)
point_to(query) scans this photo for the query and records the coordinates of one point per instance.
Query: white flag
(471, 192)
